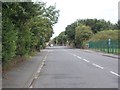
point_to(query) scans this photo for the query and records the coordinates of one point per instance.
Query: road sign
(109, 41)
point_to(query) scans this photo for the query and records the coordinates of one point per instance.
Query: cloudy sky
(71, 10)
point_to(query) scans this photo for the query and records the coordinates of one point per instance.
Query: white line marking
(39, 70)
(31, 87)
(79, 57)
(44, 60)
(35, 77)
(98, 66)
(86, 60)
(42, 63)
(114, 73)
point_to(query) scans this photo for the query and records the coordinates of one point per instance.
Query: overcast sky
(71, 10)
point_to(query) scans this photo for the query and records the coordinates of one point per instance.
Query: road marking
(98, 66)
(86, 60)
(45, 57)
(31, 86)
(39, 70)
(79, 57)
(36, 76)
(114, 73)
(44, 60)
(42, 64)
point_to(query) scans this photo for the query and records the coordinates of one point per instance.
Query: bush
(9, 40)
(105, 35)
(82, 34)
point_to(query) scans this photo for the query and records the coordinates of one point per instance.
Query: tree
(9, 33)
(70, 32)
(27, 26)
(82, 33)
(97, 25)
(61, 39)
(9, 40)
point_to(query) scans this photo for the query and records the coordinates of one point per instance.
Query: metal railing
(108, 46)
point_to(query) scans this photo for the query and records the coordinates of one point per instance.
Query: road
(75, 68)
(61, 67)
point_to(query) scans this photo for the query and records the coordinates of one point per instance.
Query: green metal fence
(109, 46)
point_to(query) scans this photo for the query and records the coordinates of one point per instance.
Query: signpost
(109, 43)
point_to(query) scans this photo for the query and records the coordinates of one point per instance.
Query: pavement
(61, 67)
(22, 75)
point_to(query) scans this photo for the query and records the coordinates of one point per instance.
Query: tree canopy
(82, 33)
(61, 39)
(27, 26)
(82, 29)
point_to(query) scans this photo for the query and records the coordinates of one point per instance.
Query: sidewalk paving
(22, 75)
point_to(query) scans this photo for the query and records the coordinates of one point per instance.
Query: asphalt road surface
(75, 68)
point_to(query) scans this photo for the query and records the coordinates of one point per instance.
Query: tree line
(80, 31)
(26, 27)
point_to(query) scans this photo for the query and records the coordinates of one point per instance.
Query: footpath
(22, 75)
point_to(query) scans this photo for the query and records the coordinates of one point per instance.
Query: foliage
(61, 39)
(97, 25)
(27, 26)
(94, 24)
(70, 31)
(82, 33)
(105, 35)
(9, 40)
